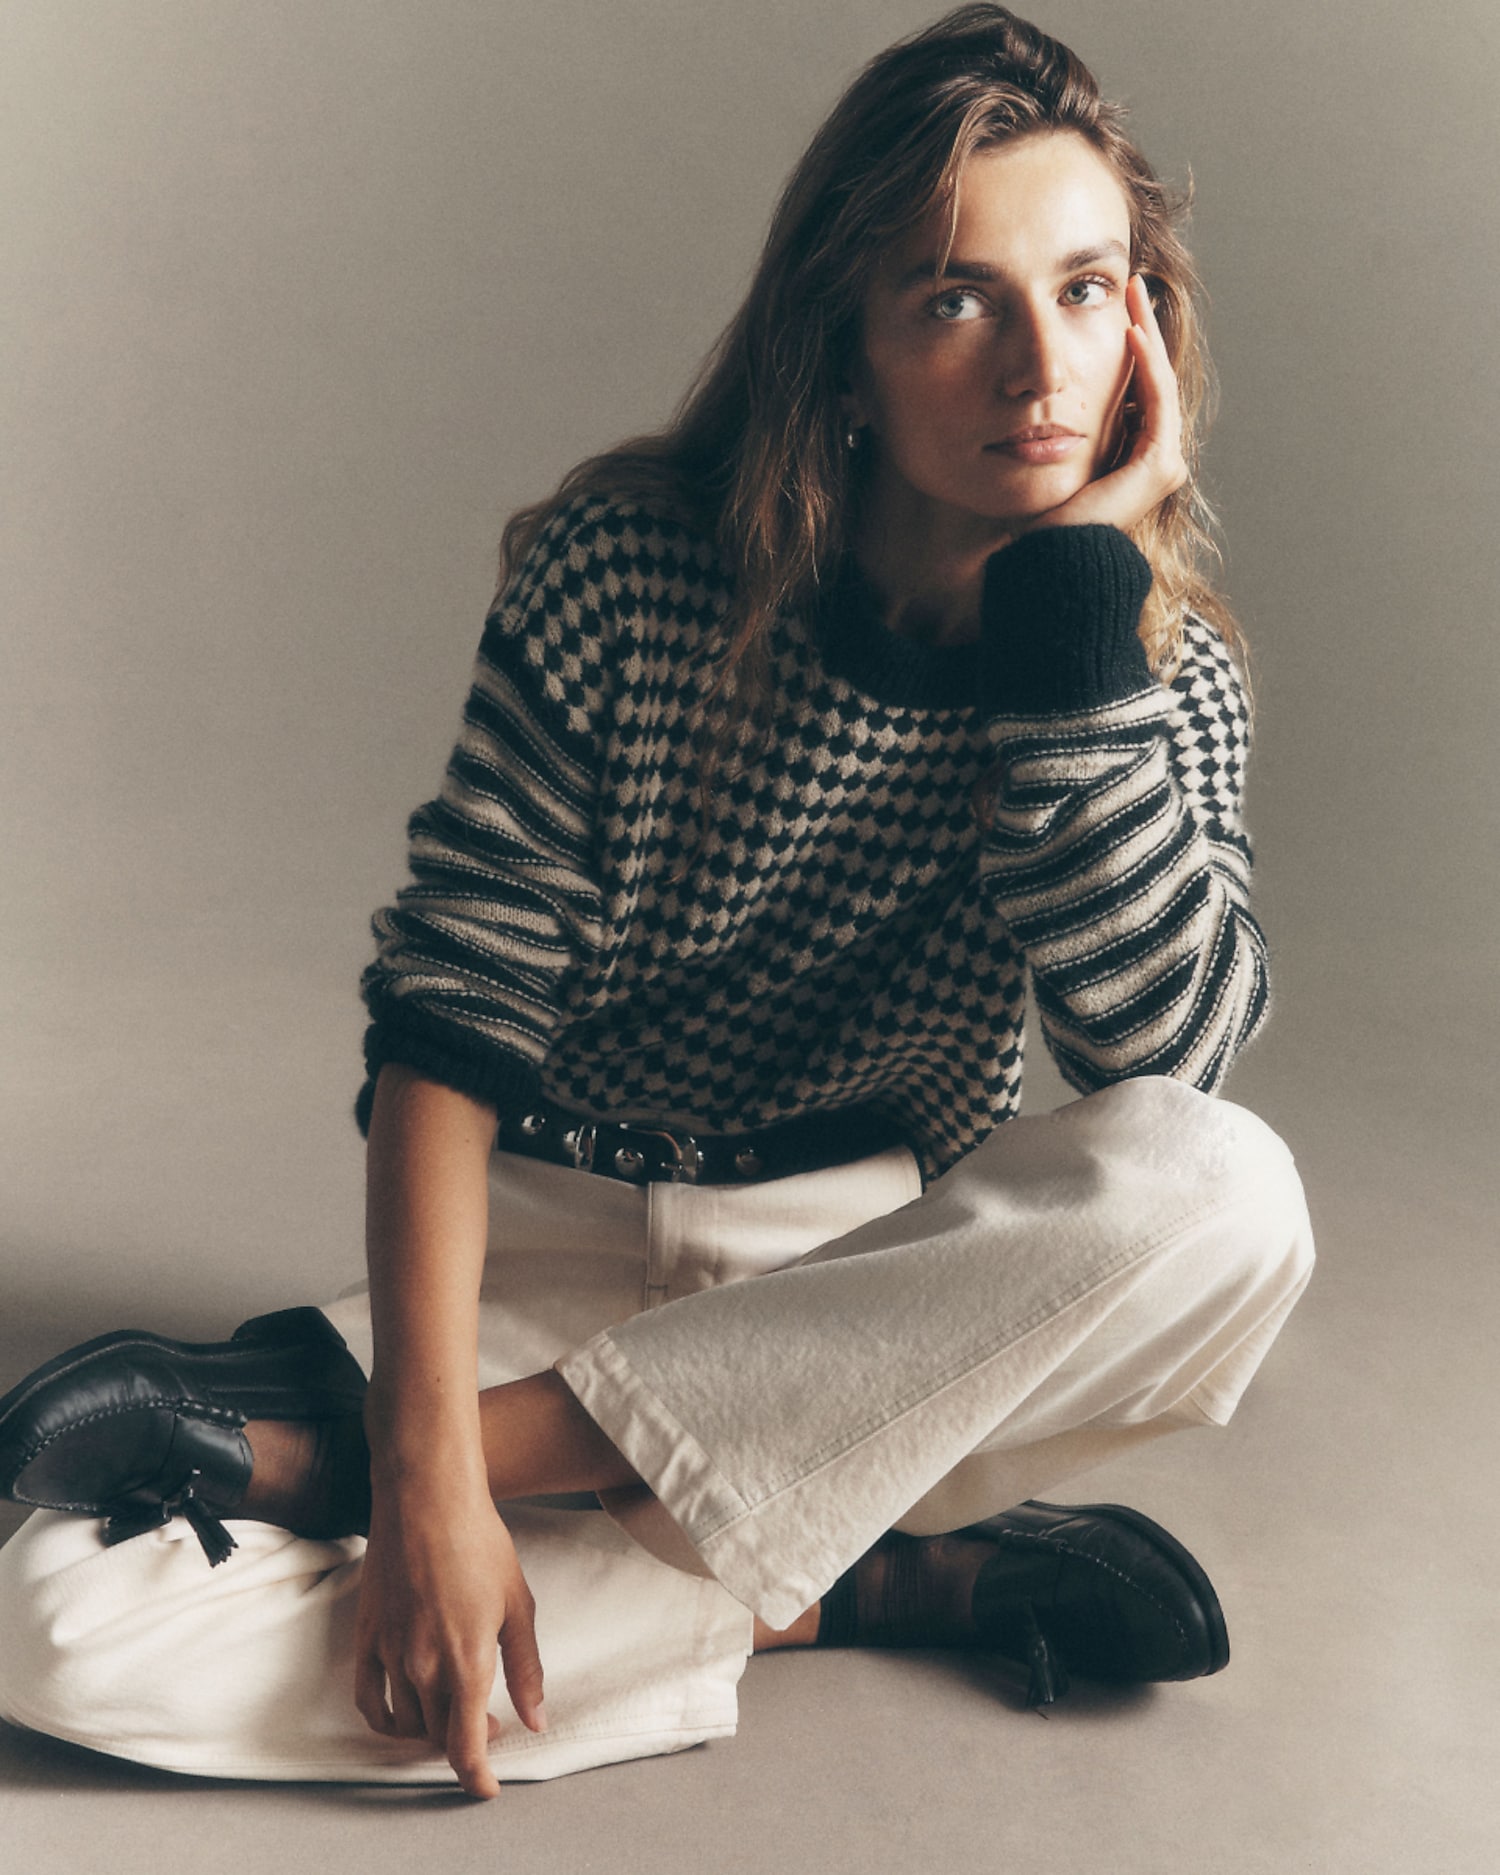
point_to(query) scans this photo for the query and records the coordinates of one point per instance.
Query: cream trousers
(1081, 1281)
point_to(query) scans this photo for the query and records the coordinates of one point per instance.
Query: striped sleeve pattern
(466, 985)
(1117, 857)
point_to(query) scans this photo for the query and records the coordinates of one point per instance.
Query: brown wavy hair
(754, 455)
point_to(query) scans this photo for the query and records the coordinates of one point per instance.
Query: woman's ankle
(308, 1476)
(906, 1592)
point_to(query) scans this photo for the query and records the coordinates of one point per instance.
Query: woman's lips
(1043, 444)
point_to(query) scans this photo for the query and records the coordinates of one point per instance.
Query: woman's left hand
(1152, 465)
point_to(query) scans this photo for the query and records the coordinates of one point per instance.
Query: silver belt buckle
(579, 1141)
(687, 1160)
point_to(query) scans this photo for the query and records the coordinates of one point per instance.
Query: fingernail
(541, 1717)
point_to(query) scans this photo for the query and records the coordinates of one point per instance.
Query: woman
(801, 736)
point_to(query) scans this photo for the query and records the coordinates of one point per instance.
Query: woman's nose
(1032, 361)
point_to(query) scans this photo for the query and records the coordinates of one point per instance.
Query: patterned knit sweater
(847, 934)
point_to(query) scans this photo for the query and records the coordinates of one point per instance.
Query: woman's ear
(854, 413)
(855, 404)
(853, 424)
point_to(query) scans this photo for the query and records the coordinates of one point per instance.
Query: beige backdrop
(300, 298)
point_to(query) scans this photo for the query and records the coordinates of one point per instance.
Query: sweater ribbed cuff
(1060, 614)
(502, 1081)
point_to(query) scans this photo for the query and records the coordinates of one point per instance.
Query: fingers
(448, 1708)
(435, 1596)
(1146, 333)
(388, 1703)
(522, 1662)
(1146, 463)
(467, 1742)
(460, 1722)
(1154, 384)
(369, 1693)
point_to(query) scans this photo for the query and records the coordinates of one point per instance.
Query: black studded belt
(641, 1153)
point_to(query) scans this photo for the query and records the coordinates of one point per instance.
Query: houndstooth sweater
(847, 934)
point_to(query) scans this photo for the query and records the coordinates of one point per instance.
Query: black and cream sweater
(847, 934)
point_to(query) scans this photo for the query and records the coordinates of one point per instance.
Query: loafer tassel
(218, 1544)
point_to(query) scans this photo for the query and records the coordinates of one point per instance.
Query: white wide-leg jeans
(1081, 1281)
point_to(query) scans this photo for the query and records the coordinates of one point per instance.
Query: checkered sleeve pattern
(1119, 862)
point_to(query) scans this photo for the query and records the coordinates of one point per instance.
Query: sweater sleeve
(473, 958)
(1116, 852)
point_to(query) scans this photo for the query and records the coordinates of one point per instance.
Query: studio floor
(1345, 1517)
(302, 300)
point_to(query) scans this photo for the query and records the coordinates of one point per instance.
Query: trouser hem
(552, 1755)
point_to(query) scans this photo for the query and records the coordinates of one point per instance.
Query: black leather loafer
(1097, 1590)
(136, 1428)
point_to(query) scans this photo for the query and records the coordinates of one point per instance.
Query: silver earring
(851, 437)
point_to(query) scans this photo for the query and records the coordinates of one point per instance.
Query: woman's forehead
(1041, 198)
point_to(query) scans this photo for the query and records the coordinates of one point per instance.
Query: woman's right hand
(441, 1584)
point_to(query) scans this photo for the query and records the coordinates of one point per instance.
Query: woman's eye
(1086, 293)
(957, 305)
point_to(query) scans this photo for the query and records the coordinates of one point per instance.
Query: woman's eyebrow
(952, 269)
(1091, 256)
(957, 269)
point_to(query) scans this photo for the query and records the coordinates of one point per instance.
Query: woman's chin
(1028, 496)
(1018, 520)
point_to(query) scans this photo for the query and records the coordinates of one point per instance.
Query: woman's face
(995, 392)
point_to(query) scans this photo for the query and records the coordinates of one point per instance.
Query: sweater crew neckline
(857, 645)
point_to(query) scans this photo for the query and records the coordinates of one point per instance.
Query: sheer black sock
(906, 1592)
(309, 1476)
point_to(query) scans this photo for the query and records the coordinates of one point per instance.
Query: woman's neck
(925, 561)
